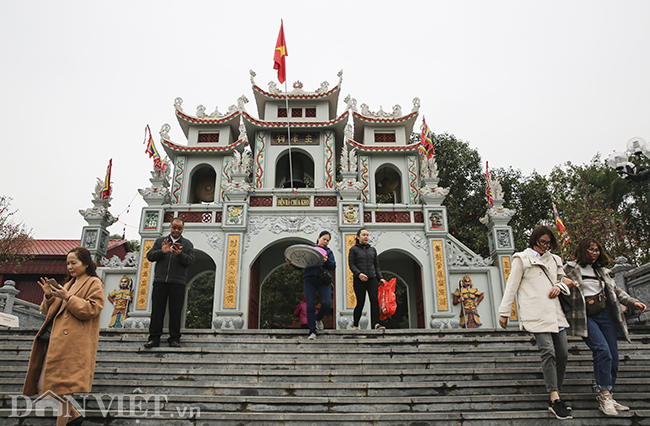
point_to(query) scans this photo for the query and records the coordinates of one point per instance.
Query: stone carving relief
(428, 167)
(130, 261)
(225, 323)
(459, 257)
(214, 240)
(418, 240)
(351, 103)
(503, 238)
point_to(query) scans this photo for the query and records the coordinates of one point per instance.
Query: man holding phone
(173, 255)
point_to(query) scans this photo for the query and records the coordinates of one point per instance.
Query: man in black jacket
(173, 254)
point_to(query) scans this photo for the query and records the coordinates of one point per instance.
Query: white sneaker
(606, 405)
(319, 325)
(620, 407)
(312, 336)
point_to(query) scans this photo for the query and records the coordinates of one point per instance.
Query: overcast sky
(529, 84)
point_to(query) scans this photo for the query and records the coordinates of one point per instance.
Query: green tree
(530, 196)
(279, 295)
(15, 239)
(594, 202)
(460, 169)
(200, 298)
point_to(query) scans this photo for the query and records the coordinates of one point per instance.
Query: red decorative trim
(294, 123)
(169, 216)
(367, 217)
(393, 217)
(384, 119)
(195, 120)
(294, 96)
(364, 148)
(418, 217)
(329, 201)
(219, 217)
(196, 217)
(259, 201)
(179, 148)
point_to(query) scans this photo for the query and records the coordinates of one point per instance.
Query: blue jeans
(310, 286)
(601, 339)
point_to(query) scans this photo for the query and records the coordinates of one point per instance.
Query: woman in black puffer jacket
(364, 265)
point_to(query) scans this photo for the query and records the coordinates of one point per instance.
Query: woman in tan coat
(536, 276)
(63, 354)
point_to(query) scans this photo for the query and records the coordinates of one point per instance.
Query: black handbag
(595, 304)
(44, 335)
(324, 277)
(566, 301)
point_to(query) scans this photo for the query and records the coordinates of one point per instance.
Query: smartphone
(52, 282)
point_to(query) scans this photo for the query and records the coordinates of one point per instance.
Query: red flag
(106, 190)
(280, 54)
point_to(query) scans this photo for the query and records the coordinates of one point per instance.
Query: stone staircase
(278, 377)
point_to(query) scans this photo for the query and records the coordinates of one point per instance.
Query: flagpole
(286, 99)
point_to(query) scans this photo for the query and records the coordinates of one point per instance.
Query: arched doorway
(303, 170)
(200, 290)
(388, 187)
(408, 291)
(276, 287)
(203, 185)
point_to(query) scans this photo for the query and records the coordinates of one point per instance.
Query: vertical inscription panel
(441, 281)
(145, 273)
(232, 268)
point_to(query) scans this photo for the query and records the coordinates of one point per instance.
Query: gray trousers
(555, 354)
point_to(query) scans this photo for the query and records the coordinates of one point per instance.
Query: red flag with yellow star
(280, 54)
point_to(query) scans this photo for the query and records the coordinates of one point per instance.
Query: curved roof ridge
(263, 123)
(366, 148)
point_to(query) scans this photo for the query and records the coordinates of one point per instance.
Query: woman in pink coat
(63, 354)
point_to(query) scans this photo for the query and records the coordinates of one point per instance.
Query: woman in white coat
(536, 276)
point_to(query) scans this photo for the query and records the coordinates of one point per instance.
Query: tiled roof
(211, 121)
(180, 148)
(63, 247)
(281, 124)
(305, 95)
(384, 119)
(383, 148)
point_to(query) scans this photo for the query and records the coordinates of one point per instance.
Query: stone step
(473, 418)
(341, 386)
(392, 377)
(218, 403)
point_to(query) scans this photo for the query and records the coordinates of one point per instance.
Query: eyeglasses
(545, 243)
(593, 250)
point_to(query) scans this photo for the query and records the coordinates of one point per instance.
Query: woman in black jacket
(364, 265)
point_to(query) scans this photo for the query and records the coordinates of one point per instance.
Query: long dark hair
(86, 258)
(359, 233)
(581, 255)
(540, 231)
(323, 233)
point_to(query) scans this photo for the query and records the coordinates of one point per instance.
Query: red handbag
(387, 302)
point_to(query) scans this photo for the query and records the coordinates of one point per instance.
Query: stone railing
(636, 282)
(28, 313)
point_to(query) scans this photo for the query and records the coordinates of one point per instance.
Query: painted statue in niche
(121, 298)
(469, 298)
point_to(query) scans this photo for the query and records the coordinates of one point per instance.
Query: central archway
(275, 287)
(408, 271)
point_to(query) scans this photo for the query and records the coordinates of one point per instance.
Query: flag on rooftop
(106, 190)
(151, 149)
(488, 189)
(280, 54)
(426, 140)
